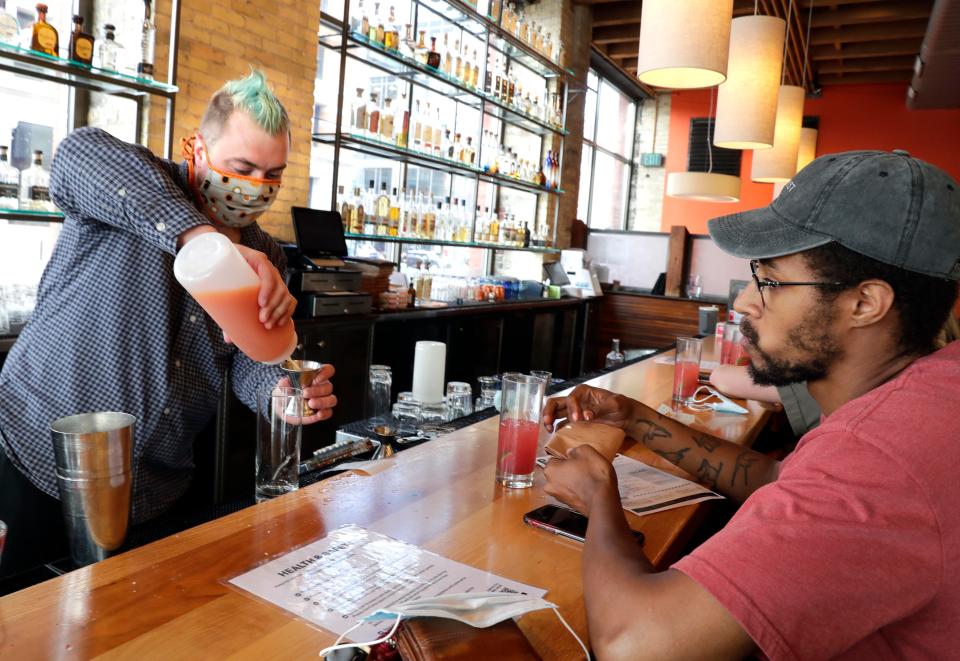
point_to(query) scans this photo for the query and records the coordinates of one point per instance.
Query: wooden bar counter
(170, 600)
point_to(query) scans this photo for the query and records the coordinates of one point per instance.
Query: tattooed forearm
(673, 457)
(745, 460)
(709, 474)
(652, 430)
(708, 443)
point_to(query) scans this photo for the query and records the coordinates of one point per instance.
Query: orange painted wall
(851, 117)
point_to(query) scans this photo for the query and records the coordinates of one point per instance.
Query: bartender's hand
(592, 404)
(581, 478)
(319, 394)
(276, 302)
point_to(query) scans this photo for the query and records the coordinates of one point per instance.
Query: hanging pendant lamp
(747, 103)
(684, 45)
(706, 186)
(808, 148)
(779, 163)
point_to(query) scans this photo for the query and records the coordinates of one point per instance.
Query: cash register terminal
(320, 279)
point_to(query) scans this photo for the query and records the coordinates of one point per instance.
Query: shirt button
(160, 226)
(122, 192)
(177, 362)
(193, 318)
(166, 411)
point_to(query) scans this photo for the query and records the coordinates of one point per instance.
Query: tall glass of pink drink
(520, 409)
(686, 368)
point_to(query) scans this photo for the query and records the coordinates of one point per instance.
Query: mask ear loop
(699, 403)
(573, 633)
(337, 646)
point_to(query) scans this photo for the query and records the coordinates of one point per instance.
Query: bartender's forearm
(727, 468)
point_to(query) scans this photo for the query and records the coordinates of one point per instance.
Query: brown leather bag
(443, 639)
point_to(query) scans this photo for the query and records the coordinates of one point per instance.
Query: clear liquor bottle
(417, 137)
(387, 121)
(9, 182)
(371, 33)
(438, 136)
(408, 47)
(148, 40)
(615, 357)
(370, 210)
(9, 27)
(109, 49)
(356, 19)
(383, 210)
(422, 53)
(401, 122)
(35, 186)
(358, 114)
(447, 56)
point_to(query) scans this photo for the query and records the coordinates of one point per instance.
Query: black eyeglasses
(763, 283)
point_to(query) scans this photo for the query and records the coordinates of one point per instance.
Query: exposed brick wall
(219, 41)
(646, 199)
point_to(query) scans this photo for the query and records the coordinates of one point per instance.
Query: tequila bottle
(458, 62)
(401, 122)
(370, 211)
(356, 18)
(371, 33)
(373, 116)
(408, 46)
(45, 38)
(447, 56)
(383, 210)
(387, 121)
(422, 53)
(148, 40)
(391, 36)
(81, 43)
(357, 213)
(9, 27)
(433, 57)
(108, 50)
(393, 218)
(35, 186)
(344, 207)
(438, 136)
(9, 182)
(417, 126)
(358, 114)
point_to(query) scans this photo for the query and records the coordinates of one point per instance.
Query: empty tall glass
(520, 408)
(279, 429)
(378, 395)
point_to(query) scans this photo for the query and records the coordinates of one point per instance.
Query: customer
(802, 410)
(849, 546)
(114, 331)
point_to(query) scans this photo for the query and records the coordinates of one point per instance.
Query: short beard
(813, 339)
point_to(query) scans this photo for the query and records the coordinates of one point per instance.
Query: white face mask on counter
(703, 403)
(478, 609)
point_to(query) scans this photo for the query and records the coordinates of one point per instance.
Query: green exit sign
(651, 160)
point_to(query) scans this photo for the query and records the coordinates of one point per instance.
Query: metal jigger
(301, 373)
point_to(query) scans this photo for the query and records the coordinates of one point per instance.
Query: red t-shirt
(854, 550)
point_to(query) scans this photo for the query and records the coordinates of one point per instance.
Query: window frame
(628, 162)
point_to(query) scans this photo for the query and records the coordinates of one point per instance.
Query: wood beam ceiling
(883, 12)
(885, 48)
(862, 33)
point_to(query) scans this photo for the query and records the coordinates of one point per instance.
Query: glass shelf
(56, 69)
(464, 15)
(367, 145)
(35, 216)
(394, 62)
(434, 242)
(373, 147)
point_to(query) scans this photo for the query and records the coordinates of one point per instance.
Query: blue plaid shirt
(113, 330)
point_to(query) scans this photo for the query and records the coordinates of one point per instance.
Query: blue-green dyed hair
(253, 96)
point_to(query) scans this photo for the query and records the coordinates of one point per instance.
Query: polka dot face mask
(232, 199)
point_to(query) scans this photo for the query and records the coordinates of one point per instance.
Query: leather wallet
(603, 438)
(443, 639)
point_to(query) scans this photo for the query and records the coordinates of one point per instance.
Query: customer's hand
(276, 302)
(591, 404)
(319, 395)
(580, 478)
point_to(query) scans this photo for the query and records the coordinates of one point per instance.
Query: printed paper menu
(645, 489)
(335, 581)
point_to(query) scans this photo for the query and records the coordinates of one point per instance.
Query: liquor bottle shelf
(384, 149)
(394, 62)
(33, 216)
(55, 69)
(437, 242)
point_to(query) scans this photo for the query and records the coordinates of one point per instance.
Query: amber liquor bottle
(45, 38)
(81, 43)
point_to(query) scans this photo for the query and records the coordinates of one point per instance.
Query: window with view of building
(607, 159)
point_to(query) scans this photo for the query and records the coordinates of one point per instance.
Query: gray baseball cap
(886, 205)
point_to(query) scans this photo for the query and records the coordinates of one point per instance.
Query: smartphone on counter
(565, 522)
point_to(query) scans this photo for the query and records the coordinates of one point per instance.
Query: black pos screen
(319, 232)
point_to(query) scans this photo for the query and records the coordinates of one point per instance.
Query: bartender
(114, 331)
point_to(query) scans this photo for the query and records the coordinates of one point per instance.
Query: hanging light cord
(806, 47)
(786, 42)
(756, 7)
(710, 122)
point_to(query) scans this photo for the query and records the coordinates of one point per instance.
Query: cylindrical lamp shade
(703, 186)
(808, 148)
(747, 100)
(684, 45)
(780, 163)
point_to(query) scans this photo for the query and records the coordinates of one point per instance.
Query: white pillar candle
(429, 364)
